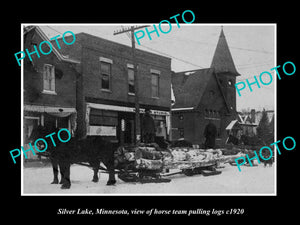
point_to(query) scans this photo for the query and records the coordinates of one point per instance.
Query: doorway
(126, 131)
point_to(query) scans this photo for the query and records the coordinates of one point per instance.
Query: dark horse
(92, 150)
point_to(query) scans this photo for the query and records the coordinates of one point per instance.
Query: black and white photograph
(194, 133)
(143, 113)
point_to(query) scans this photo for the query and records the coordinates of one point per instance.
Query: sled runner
(143, 177)
(148, 163)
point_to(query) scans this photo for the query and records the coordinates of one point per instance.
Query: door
(126, 134)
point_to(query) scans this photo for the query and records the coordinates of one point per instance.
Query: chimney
(253, 115)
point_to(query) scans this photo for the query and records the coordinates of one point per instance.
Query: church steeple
(222, 59)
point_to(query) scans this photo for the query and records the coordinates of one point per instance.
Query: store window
(103, 117)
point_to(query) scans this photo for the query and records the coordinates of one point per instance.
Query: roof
(222, 60)
(45, 38)
(189, 86)
(231, 124)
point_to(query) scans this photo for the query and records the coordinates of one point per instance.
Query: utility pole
(136, 87)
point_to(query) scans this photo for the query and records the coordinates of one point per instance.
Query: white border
(154, 194)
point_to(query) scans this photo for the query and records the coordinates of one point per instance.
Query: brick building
(105, 91)
(49, 87)
(205, 95)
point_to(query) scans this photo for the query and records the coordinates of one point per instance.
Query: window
(154, 84)
(48, 79)
(105, 68)
(103, 117)
(131, 89)
(105, 75)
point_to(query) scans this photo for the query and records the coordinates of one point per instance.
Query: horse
(91, 149)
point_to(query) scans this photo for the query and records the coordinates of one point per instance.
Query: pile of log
(151, 157)
(189, 158)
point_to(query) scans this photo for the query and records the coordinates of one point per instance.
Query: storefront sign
(102, 130)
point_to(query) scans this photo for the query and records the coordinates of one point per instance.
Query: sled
(205, 171)
(210, 173)
(142, 178)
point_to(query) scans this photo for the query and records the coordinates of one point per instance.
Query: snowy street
(251, 180)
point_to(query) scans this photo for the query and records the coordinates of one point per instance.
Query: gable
(189, 86)
(213, 97)
(34, 36)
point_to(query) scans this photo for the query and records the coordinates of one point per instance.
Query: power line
(214, 44)
(252, 50)
(250, 64)
(54, 30)
(254, 66)
(173, 57)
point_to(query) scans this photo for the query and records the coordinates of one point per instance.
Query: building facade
(250, 120)
(106, 88)
(205, 95)
(49, 88)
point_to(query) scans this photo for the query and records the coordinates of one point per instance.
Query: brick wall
(89, 49)
(65, 86)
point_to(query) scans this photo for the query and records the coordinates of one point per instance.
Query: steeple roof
(222, 59)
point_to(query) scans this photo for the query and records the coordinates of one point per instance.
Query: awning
(231, 124)
(124, 109)
(182, 109)
(55, 111)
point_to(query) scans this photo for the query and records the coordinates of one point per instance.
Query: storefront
(48, 116)
(117, 123)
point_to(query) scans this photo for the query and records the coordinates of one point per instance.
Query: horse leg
(95, 165)
(96, 169)
(111, 174)
(95, 177)
(54, 163)
(61, 175)
(65, 169)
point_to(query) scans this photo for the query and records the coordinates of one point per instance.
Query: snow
(257, 180)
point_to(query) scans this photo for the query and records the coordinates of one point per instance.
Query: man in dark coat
(210, 134)
(148, 127)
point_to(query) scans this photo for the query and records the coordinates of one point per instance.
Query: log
(148, 164)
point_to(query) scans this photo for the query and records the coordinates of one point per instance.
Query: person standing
(148, 127)
(210, 134)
